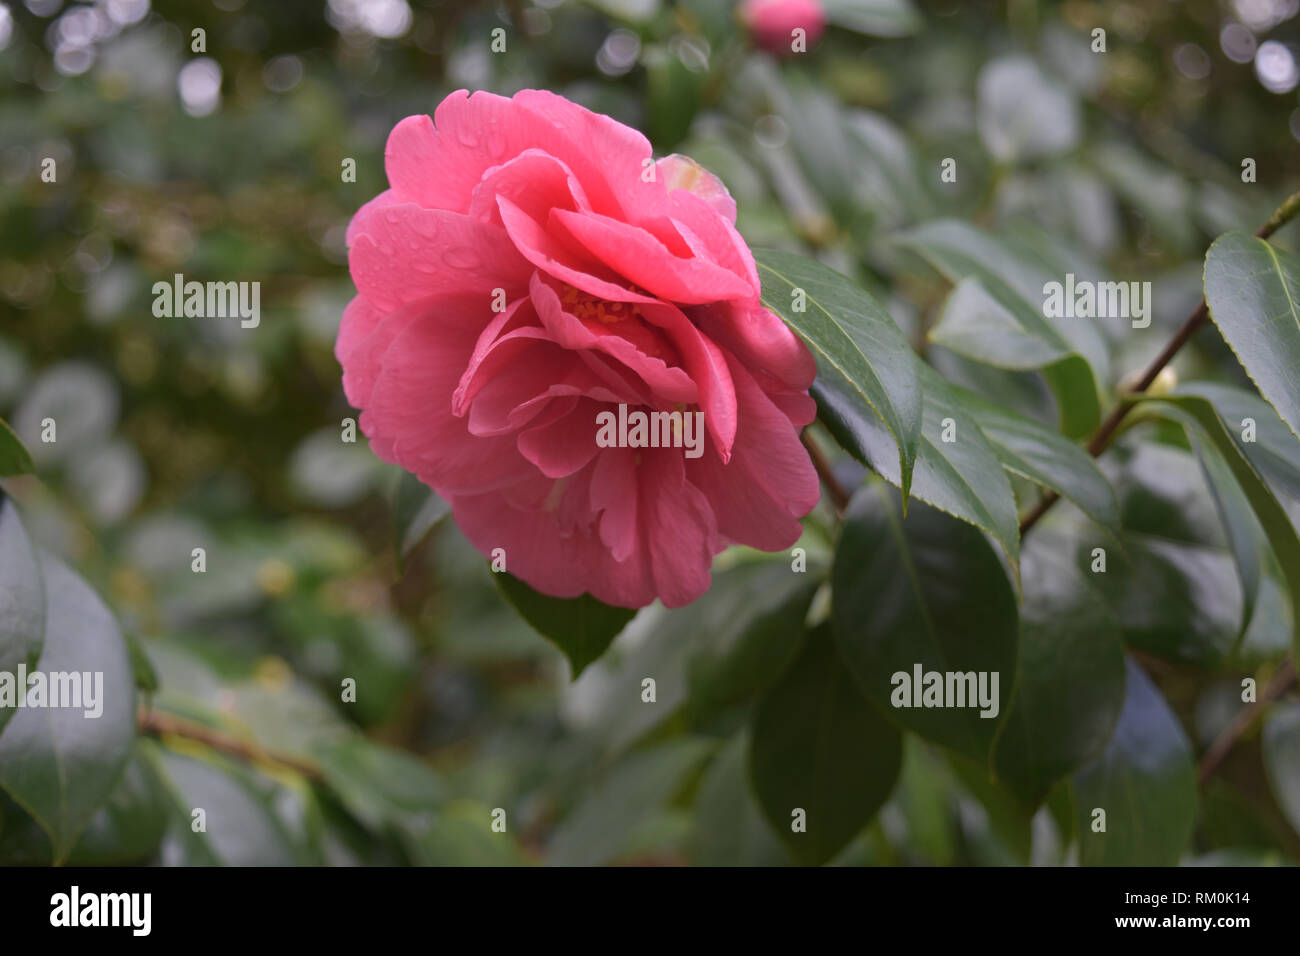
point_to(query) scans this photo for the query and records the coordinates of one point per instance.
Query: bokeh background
(177, 433)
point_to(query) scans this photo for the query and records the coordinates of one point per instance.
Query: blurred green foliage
(176, 434)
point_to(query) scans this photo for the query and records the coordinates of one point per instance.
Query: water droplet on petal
(425, 226)
(460, 257)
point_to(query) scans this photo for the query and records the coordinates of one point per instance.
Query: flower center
(588, 307)
(605, 317)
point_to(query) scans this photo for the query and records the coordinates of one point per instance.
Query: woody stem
(1106, 431)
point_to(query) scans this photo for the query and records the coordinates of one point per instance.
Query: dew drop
(426, 227)
(460, 257)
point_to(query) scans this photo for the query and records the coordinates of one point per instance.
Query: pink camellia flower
(531, 267)
(772, 23)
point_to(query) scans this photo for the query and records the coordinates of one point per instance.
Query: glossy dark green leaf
(14, 457)
(818, 746)
(22, 600)
(581, 627)
(1204, 422)
(1281, 751)
(1045, 457)
(1252, 288)
(1255, 427)
(962, 477)
(127, 830)
(1072, 356)
(417, 508)
(1246, 538)
(59, 763)
(744, 632)
(238, 825)
(1180, 602)
(927, 592)
(129, 827)
(975, 324)
(865, 368)
(1145, 781)
(1070, 684)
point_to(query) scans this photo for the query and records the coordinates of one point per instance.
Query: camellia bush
(801, 431)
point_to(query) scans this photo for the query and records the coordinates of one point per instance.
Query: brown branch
(838, 495)
(1281, 681)
(150, 721)
(1106, 431)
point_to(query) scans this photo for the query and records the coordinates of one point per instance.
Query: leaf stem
(150, 721)
(1106, 431)
(1282, 680)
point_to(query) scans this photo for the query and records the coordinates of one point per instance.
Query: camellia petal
(564, 339)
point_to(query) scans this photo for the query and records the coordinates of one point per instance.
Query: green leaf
(146, 678)
(14, 457)
(1024, 113)
(1180, 602)
(817, 138)
(22, 599)
(673, 93)
(581, 627)
(729, 829)
(1199, 416)
(597, 830)
(1003, 834)
(460, 834)
(1043, 456)
(22, 841)
(891, 177)
(1245, 537)
(923, 591)
(865, 368)
(417, 508)
(378, 785)
(1145, 780)
(1273, 448)
(925, 795)
(878, 18)
(1281, 751)
(129, 827)
(1070, 684)
(1251, 289)
(818, 746)
(239, 826)
(744, 632)
(1072, 356)
(962, 477)
(59, 763)
(1159, 194)
(974, 324)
